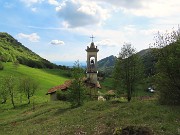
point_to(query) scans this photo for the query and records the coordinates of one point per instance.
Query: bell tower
(92, 62)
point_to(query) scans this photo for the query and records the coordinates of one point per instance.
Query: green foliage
(28, 87)
(109, 96)
(63, 95)
(168, 77)
(76, 91)
(149, 60)
(12, 51)
(128, 70)
(3, 92)
(9, 86)
(46, 78)
(105, 66)
(1, 66)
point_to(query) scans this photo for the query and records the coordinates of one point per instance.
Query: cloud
(130, 4)
(57, 42)
(151, 9)
(53, 2)
(77, 13)
(34, 37)
(34, 9)
(31, 2)
(106, 42)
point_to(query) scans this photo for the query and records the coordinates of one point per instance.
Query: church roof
(64, 86)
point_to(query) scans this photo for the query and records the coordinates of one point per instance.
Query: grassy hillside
(11, 50)
(94, 118)
(46, 78)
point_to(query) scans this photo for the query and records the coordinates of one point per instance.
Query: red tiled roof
(60, 87)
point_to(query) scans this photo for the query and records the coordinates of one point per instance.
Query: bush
(1, 66)
(109, 95)
(62, 95)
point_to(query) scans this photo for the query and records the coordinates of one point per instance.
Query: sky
(60, 30)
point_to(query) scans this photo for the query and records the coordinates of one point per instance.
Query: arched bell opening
(92, 60)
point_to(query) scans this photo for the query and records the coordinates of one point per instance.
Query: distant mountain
(106, 65)
(11, 50)
(107, 62)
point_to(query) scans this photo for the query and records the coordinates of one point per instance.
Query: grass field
(46, 78)
(93, 118)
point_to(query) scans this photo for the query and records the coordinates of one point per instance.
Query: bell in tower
(92, 63)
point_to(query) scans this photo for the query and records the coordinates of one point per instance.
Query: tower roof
(92, 48)
(92, 45)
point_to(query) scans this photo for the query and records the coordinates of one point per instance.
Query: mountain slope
(106, 65)
(107, 62)
(11, 50)
(149, 61)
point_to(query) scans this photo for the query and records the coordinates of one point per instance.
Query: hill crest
(12, 50)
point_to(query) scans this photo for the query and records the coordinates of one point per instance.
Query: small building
(53, 91)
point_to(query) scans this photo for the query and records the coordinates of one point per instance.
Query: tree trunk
(12, 100)
(28, 99)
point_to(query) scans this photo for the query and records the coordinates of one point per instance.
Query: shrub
(62, 95)
(1, 66)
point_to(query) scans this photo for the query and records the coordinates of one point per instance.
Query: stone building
(92, 63)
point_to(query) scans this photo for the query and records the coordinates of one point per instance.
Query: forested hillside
(13, 51)
(106, 65)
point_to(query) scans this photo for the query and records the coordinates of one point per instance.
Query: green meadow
(93, 118)
(46, 78)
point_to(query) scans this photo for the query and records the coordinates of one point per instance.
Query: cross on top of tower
(92, 37)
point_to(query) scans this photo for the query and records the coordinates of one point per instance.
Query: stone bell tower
(92, 63)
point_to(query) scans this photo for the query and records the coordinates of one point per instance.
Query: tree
(9, 86)
(1, 64)
(128, 70)
(16, 63)
(28, 86)
(168, 71)
(3, 93)
(76, 93)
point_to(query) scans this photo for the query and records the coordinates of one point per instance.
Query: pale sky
(60, 30)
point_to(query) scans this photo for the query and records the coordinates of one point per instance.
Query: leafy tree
(168, 67)
(76, 92)
(128, 70)
(16, 64)
(28, 86)
(1, 66)
(9, 85)
(3, 93)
